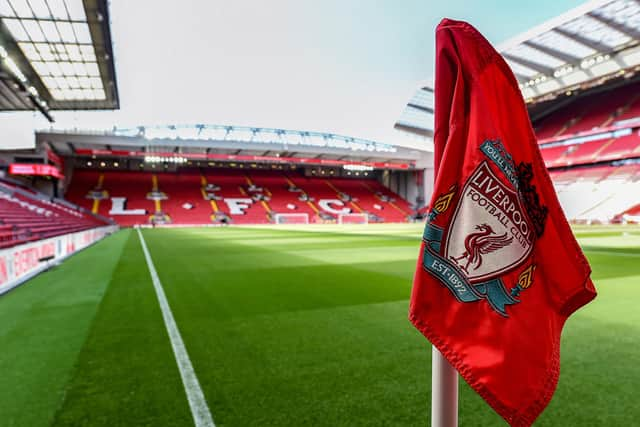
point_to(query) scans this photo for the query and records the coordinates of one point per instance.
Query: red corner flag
(499, 270)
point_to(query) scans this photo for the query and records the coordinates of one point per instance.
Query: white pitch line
(197, 402)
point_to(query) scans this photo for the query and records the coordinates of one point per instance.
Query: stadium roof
(56, 55)
(596, 41)
(417, 116)
(235, 143)
(585, 47)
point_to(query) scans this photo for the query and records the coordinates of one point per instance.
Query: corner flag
(499, 270)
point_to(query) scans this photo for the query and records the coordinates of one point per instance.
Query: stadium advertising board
(34, 169)
(19, 263)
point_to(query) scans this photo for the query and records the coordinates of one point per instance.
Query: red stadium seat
(185, 203)
(27, 216)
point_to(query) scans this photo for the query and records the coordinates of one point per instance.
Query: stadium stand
(317, 189)
(587, 113)
(26, 215)
(633, 213)
(581, 153)
(371, 199)
(92, 190)
(556, 124)
(285, 196)
(591, 146)
(598, 194)
(235, 186)
(207, 196)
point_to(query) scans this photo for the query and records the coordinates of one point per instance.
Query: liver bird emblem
(480, 243)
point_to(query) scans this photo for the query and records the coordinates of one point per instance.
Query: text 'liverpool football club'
(489, 193)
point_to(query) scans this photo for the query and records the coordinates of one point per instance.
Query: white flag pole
(444, 378)
(444, 391)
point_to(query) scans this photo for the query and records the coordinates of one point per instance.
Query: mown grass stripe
(43, 326)
(611, 253)
(197, 402)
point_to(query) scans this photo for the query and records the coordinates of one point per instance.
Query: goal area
(353, 218)
(291, 218)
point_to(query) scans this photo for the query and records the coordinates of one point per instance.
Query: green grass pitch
(284, 327)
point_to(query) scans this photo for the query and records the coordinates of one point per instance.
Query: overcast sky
(341, 66)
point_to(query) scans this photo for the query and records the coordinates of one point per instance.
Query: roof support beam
(583, 40)
(4, 100)
(562, 56)
(414, 130)
(530, 64)
(421, 108)
(11, 95)
(624, 29)
(521, 77)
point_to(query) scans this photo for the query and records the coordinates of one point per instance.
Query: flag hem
(514, 418)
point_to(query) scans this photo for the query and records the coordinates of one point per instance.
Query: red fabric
(499, 270)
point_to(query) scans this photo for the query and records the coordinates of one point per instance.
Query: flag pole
(444, 378)
(444, 391)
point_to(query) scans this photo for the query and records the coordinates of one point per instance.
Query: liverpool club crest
(489, 234)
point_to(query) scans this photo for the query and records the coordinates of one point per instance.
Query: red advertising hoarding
(34, 169)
